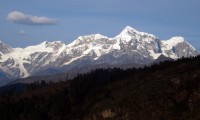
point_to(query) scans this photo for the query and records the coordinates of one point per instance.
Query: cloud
(21, 18)
(22, 32)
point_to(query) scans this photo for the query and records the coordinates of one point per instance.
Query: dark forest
(169, 90)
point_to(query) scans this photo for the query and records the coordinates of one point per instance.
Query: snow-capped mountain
(129, 47)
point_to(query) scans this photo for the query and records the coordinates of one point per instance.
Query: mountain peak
(55, 42)
(4, 48)
(128, 29)
(44, 43)
(128, 33)
(87, 39)
(175, 40)
(94, 36)
(1, 43)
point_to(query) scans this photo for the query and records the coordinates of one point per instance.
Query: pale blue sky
(72, 18)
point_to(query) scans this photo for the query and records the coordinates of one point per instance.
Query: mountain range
(130, 48)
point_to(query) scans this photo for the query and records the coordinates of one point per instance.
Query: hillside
(166, 91)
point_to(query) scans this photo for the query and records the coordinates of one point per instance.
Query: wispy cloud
(22, 32)
(21, 18)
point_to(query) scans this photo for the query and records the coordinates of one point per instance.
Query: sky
(30, 22)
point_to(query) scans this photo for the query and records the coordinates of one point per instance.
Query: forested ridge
(169, 90)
